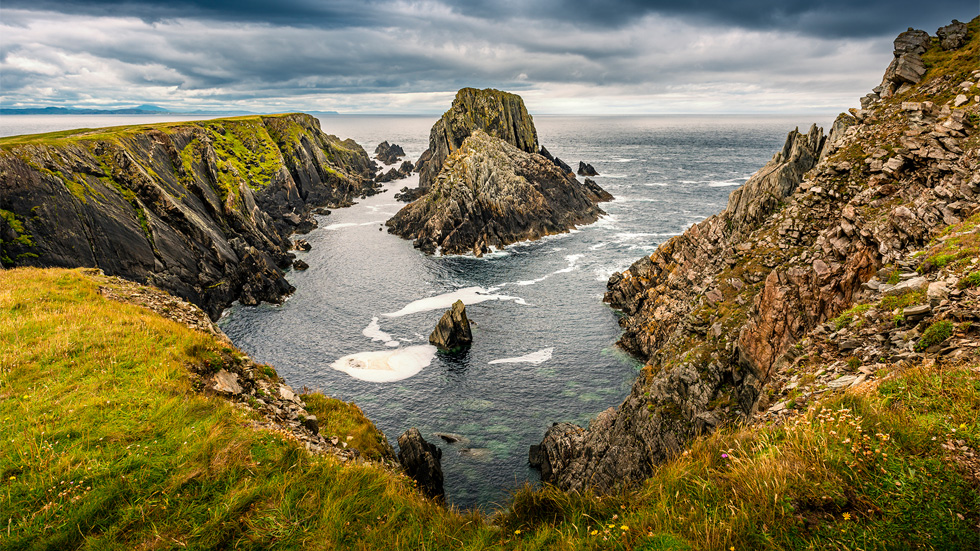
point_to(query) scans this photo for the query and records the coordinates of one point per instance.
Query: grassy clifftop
(108, 445)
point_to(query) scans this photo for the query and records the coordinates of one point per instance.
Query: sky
(410, 57)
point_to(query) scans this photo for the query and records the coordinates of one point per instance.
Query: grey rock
(952, 36)
(227, 382)
(421, 461)
(585, 169)
(452, 333)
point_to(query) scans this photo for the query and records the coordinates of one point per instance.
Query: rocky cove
(735, 317)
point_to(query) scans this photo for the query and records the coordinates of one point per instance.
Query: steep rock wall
(202, 210)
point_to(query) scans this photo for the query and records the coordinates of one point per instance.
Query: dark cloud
(835, 18)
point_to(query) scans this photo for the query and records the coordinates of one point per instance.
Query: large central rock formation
(485, 185)
(717, 312)
(200, 209)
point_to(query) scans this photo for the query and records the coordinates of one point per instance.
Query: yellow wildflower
(847, 516)
(624, 528)
(517, 532)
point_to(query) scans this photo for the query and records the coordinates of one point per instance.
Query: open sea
(544, 343)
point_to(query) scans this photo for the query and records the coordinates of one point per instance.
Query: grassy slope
(109, 447)
(106, 445)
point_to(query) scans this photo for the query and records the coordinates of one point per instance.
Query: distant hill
(139, 110)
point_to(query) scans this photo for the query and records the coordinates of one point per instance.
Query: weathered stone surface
(388, 153)
(907, 67)
(723, 311)
(300, 265)
(226, 382)
(585, 169)
(179, 209)
(421, 461)
(952, 36)
(491, 194)
(499, 114)
(452, 333)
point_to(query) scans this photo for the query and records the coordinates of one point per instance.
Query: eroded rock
(421, 461)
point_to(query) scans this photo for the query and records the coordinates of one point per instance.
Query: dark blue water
(666, 174)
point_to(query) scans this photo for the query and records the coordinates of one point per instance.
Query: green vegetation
(935, 334)
(113, 449)
(20, 240)
(848, 317)
(909, 297)
(970, 280)
(107, 446)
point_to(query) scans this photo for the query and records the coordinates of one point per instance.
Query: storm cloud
(579, 56)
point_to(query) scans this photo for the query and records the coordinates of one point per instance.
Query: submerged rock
(452, 333)
(421, 461)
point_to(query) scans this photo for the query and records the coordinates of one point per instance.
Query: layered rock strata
(421, 461)
(200, 209)
(725, 313)
(492, 194)
(484, 184)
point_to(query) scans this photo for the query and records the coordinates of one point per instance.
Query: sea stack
(484, 183)
(422, 461)
(452, 333)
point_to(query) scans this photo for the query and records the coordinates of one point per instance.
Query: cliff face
(497, 113)
(483, 183)
(719, 312)
(202, 210)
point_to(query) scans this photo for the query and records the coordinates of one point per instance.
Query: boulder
(907, 66)
(452, 333)
(301, 245)
(300, 265)
(421, 461)
(585, 169)
(388, 153)
(952, 36)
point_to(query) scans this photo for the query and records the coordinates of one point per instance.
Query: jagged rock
(585, 169)
(558, 162)
(952, 36)
(407, 195)
(388, 153)
(491, 194)
(176, 208)
(452, 333)
(907, 67)
(310, 423)
(300, 265)
(422, 462)
(497, 113)
(301, 245)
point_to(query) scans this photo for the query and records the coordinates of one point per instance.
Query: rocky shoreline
(740, 318)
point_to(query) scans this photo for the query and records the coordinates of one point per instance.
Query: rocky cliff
(484, 184)
(499, 114)
(200, 209)
(745, 308)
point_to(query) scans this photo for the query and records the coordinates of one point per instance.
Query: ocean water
(544, 343)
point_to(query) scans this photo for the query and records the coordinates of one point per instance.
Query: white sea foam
(385, 366)
(536, 358)
(727, 183)
(341, 225)
(572, 259)
(469, 295)
(373, 331)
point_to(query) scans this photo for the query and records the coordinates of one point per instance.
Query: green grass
(112, 448)
(935, 334)
(107, 446)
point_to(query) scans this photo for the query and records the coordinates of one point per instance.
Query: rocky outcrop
(483, 184)
(200, 209)
(723, 313)
(585, 169)
(558, 162)
(952, 36)
(452, 333)
(422, 462)
(491, 194)
(388, 153)
(404, 171)
(497, 113)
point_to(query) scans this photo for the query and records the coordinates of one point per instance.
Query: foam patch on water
(726, 183)
(469, 295)
(572, 259)
(373, 331)
(386, 366)
(535, 358)
(341, 225)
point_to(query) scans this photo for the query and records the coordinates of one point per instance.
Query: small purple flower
(724, 456)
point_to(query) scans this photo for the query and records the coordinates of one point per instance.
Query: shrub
(935, 334)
